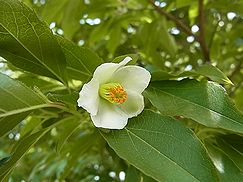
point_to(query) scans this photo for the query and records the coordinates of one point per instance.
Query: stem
(17, 111)
(202, 41)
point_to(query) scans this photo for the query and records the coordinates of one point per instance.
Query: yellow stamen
(113, 92)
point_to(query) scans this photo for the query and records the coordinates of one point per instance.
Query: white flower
(114, 94)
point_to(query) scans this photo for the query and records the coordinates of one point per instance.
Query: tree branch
(202, 41)
(179, 23)
(186, 29)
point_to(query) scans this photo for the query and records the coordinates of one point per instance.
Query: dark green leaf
(227, 170)
(193, 99)
(28, 43)
(162, 148)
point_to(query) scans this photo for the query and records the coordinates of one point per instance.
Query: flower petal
(104, 72)
(89, 96)
(134, 104)
(109, 116)
(132, 78)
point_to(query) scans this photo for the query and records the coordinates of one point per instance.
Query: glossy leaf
(17, 101)
(28, 43)
(162, 148)
(232, 151)
(193, 99)
(227, 170)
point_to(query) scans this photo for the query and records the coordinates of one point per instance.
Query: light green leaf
(120, 58)
(162, 148)
(69, 127)
(115, 39)
(28, 43)
(79, 148)
(204, 102)
(213, 73)
(81, 62)
(17, 101)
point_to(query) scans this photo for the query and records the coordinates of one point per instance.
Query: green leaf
(17, 101)
(134, 175)
(69, 127)
(208, 71)
(162, 148)
(28, 43)
(227, 170)
(114, 39)
(213, 73)
(79, 148)
(204, 102)
(234, 154)
(120, 58)
(81, 62)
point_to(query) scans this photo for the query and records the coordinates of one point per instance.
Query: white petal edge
(134, 104)
(132, 78)
(89, 96)
(104, 72)
(109, 116)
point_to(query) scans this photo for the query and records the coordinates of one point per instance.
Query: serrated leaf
(162, 148)
(28, 43)
(17, 101)
(204, 102)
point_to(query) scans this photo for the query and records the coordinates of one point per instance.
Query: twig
(202, 41)
(179, 23)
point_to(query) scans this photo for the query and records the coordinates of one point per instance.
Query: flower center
(113, 92)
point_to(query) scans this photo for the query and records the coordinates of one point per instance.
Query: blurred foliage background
(171, 36)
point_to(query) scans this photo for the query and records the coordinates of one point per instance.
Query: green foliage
(167, 157)
(192, 127)
(193, 99)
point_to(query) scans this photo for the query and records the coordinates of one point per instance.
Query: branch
(186, 29)
(179, 23)
(202, 41)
